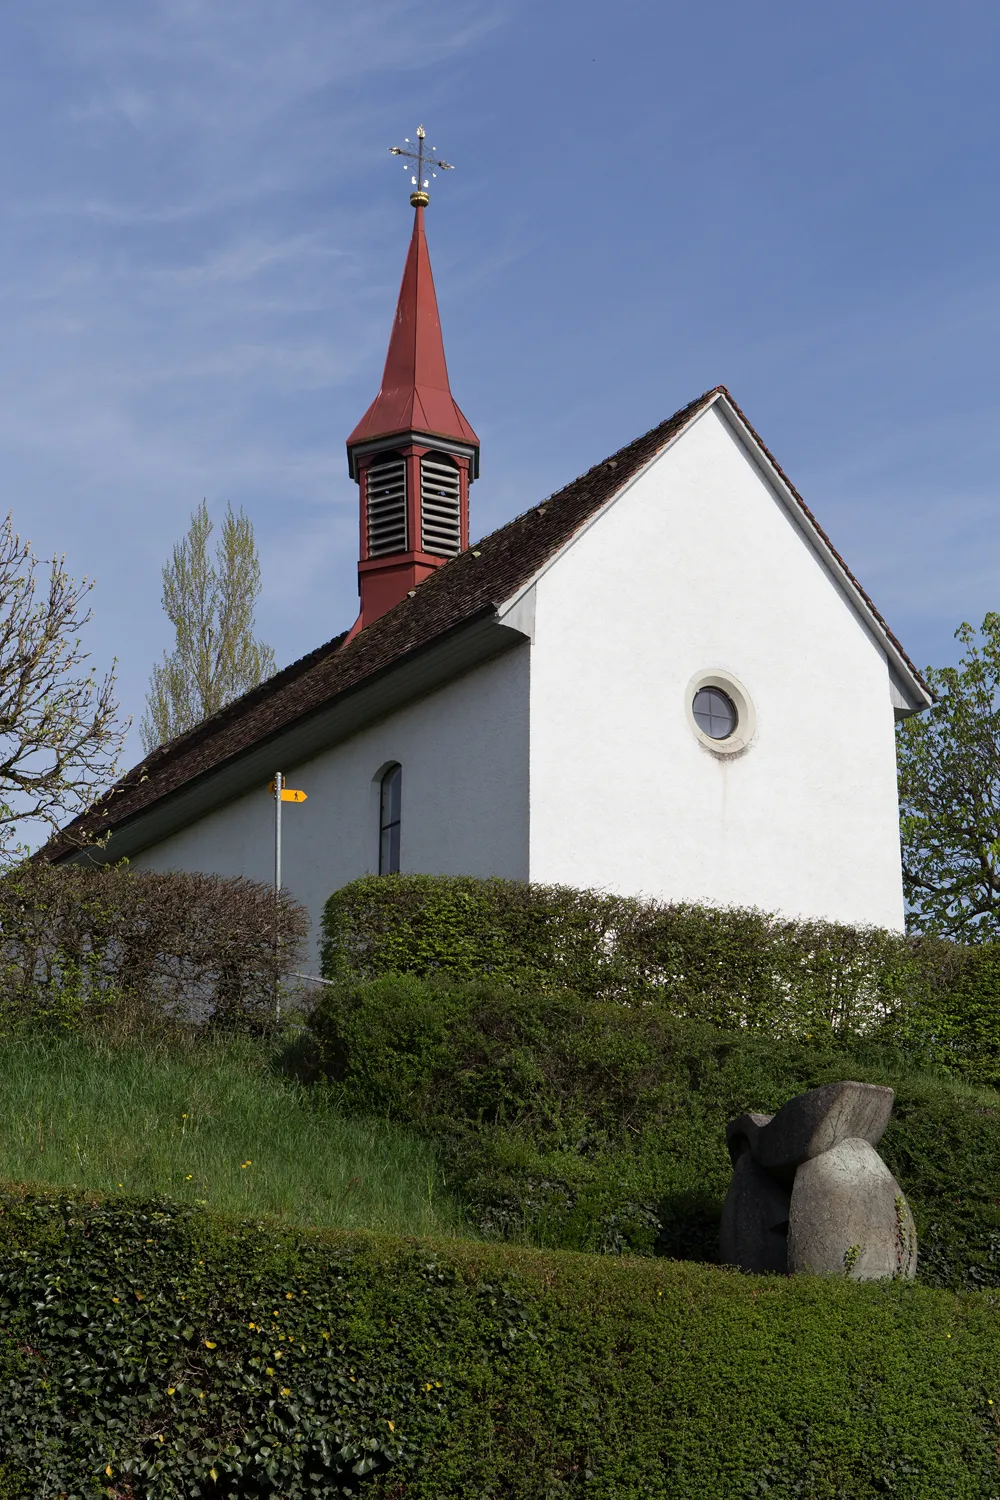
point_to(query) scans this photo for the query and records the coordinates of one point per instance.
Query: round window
(714, 713)
(720, 712)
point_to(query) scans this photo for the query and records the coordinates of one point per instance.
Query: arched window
(390, 811)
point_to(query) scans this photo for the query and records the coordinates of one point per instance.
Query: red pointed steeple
(413, 453)
(415, 395)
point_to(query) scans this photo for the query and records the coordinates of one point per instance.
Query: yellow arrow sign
(286, 794)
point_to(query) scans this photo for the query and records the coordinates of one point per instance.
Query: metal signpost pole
(278, 781)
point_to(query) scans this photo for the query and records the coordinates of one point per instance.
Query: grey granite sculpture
(810, 1193)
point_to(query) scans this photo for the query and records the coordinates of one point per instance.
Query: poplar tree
(211, 607)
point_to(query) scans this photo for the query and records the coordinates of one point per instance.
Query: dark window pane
(714, 713)
(391, 794)
(391, 803)
(388, 862)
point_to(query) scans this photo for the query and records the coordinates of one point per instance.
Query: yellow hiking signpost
(281, 794)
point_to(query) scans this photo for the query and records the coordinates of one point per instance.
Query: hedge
(592, 1125)
(732, 967)
(79, 942)
(152, 1351)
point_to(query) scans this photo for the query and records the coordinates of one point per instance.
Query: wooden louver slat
(440, 508)
(386, 491)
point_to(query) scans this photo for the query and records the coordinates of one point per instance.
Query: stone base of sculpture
(810, 1193)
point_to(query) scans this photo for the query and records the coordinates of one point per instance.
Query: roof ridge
(612, 458)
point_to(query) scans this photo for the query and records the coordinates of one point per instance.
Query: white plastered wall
(698, 567)
(464, 754)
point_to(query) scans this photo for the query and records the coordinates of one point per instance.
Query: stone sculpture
(810, 1193)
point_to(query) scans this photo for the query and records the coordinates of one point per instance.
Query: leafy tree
(59, 737)
(949, 785)
(211, 607)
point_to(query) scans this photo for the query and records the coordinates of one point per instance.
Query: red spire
(415, 395)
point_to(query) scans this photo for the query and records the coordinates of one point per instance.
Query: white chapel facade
(662, 681)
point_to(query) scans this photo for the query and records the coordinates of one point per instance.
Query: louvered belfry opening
(440, 506)
(386, 493)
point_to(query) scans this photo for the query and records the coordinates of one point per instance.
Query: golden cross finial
(426, 163)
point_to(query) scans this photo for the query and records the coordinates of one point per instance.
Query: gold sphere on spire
(420, 200)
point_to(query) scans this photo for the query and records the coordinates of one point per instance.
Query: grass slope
(153, 1351)
(209, 1122)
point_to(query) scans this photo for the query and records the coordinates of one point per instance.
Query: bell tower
(413, 453)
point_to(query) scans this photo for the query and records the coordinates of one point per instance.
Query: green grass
(212, 1123)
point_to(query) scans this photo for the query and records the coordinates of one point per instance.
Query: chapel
(661, 680)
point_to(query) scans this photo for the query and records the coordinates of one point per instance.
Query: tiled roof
(486, 575)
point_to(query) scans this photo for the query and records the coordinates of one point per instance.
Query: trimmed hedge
(587, 1124)
(152, 1351)
(731, 967)
(78, 943)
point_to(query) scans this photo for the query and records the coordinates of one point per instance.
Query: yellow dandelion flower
(188, 1177)
(391, 1426)
(209, 1344)
(108, 1471)
(114, 1299)
(285, 1390)
(171, 1389)
(289, 1296)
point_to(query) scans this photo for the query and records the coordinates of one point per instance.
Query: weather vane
(426, 162)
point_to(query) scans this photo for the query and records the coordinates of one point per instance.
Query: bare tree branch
(59, 737)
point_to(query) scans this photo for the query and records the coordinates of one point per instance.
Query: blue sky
(202, 236)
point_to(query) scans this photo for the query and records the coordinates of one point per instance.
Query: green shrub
(728, 966)
(80, 942)
(150, 1352)
(937, 1000)
(593, 1125)
(951, 1014)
